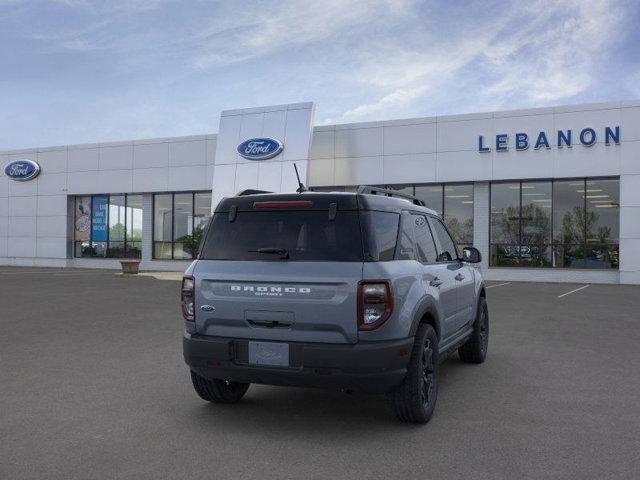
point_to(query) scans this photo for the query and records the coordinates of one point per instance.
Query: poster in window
(99, 218)
(83, 219)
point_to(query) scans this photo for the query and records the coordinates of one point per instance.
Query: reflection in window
(108, 226)
(183, 226)
(453, 202)
(117, 219)
(505, 224)
(569, 223)
(179, 221)
(201, 214)
(431, 195)
(458, 213)
(134, 226)
(162, 225)
(536, 203)
(565, 224)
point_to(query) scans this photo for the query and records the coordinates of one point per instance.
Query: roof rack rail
(366, 189)
(250, 191)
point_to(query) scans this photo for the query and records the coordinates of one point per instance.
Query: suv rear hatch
(282, 267)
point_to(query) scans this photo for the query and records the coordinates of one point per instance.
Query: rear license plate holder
(271, 354)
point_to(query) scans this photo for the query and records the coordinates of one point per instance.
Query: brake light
(284, 204)
(375, 303)
(187, 295)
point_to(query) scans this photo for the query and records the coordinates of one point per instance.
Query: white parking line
(573, 291)
(498, 285)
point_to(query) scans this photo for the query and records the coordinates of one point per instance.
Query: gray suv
(356, 291)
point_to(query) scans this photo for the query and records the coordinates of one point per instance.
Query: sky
(80, 71)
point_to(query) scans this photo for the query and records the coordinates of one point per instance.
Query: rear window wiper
(283, 252)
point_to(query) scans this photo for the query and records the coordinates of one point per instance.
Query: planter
(130, 266)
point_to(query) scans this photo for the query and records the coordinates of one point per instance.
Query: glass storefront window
(134, 226)
(183, 226)
(117, 220)
(555, 224)
(458, 213)
(201, 214)
(82, 226)
(505, 224)
(179, 221)
(603, 223)
(453, 202)
(431, 195)
(569, 223)
(535, 228)
(162, 225)
(108, 226)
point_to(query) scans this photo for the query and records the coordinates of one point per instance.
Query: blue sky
(76, 71)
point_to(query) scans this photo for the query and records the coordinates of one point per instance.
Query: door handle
(459, 277)
(436, 282)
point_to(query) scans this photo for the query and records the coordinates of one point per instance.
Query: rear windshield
(302, 236)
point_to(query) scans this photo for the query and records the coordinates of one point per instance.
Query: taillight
(187, 294)
(375, 303)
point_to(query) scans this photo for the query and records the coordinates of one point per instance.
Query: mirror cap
(471, 255)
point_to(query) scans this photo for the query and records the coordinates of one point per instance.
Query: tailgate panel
(275, 300)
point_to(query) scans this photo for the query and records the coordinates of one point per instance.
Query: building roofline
(583, 107)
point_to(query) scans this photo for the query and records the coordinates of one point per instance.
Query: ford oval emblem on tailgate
(207, 308)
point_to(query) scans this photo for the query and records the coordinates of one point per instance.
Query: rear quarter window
(380, 232)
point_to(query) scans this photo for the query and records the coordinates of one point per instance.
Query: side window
(424, 241)
(446, 247)
(406, 242)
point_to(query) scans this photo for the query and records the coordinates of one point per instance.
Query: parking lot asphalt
(93, 386)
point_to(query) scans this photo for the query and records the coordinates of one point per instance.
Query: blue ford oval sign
(22, 170)
(260, 148)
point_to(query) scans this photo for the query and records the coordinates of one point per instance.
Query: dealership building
(548, 194)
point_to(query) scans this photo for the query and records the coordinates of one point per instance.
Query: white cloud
(160, 68)
(253, 33)
(544, 52)
(554, 63)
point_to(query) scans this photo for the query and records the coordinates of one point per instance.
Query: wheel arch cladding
(426, 312)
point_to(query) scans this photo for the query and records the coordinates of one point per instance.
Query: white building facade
(549, 194)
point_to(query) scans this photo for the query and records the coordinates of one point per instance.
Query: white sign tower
(291, 125)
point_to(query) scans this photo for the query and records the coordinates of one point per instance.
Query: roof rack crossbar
(366, 189)
(251, 191)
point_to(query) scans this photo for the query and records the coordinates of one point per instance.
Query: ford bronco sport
(356, 291)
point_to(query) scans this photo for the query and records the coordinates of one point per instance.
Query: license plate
(269, 353)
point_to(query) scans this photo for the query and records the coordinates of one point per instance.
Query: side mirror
(471, 255)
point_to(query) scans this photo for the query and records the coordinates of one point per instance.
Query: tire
(218, 391)
(475, 349)
(415, 399)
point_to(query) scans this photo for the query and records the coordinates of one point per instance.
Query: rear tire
(415, 399)
(475, 349)
(218, 391)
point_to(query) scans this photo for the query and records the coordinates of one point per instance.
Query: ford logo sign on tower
(260, 148)
(22, 170)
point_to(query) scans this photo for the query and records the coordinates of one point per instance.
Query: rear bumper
(373, 367)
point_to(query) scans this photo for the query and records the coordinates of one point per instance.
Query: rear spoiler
(251, 191)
